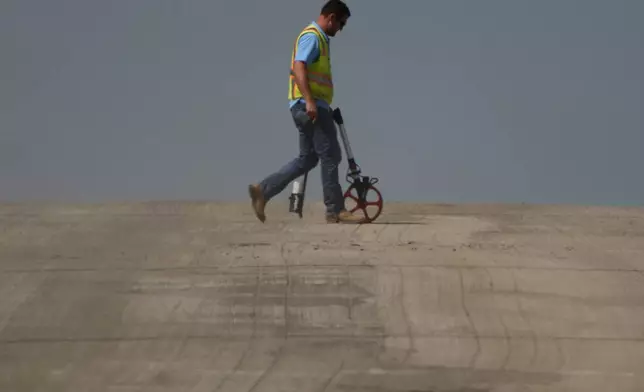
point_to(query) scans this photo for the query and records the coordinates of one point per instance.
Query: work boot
(345, 216)
(257, 201)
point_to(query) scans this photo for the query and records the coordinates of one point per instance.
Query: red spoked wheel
(372, 204)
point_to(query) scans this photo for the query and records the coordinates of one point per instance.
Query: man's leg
(275, 183)
(327, 148)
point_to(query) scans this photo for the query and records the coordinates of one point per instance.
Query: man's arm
(307, 52)
(302, 80)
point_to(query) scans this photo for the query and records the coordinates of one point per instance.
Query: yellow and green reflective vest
(319, 72)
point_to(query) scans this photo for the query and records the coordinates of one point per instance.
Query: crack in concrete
(410, 334)
(471, 322)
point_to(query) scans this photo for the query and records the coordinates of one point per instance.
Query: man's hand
(311, 109)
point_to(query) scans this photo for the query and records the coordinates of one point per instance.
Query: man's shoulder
(308, 37)
(307, 47)
(310, 31)
(308, 40)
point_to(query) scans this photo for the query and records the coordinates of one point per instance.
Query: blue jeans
(318, 143)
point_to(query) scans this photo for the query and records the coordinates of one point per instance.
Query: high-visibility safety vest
(319, 72)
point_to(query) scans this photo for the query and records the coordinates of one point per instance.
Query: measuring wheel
(362, 195)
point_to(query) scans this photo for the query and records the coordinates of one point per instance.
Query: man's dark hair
(337, 7)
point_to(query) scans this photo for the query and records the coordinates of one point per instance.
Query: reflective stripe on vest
(317, 78)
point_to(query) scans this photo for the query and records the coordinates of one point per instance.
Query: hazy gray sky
(454, 101)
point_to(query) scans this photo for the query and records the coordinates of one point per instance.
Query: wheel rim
(370, 208)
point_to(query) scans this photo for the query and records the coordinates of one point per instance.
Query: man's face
(337, 24)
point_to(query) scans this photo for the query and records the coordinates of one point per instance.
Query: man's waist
(319, 102)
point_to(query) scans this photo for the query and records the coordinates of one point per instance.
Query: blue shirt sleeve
(308, 49)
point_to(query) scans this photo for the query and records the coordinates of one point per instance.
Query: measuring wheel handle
(337, 116)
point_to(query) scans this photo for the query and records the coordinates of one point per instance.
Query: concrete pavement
(201, 297)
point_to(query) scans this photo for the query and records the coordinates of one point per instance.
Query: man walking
(310, 95)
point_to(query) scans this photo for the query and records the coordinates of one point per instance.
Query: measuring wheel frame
(359, 184)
